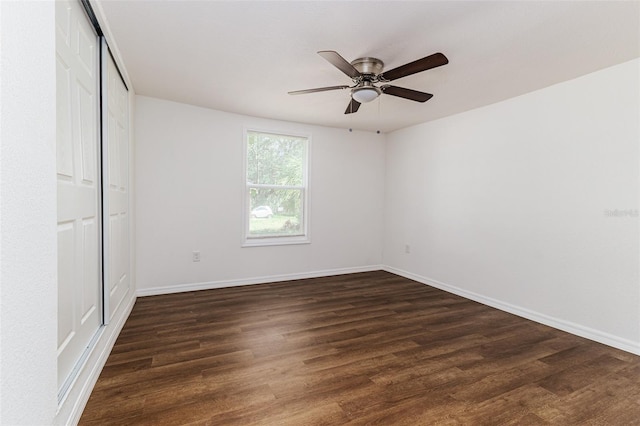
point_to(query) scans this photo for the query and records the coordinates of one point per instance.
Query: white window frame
(305, 238)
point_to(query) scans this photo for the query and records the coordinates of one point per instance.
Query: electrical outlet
(407, 248)
(196, 256)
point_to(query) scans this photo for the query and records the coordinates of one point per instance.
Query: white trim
(86, 380)
(111, 42)
(568, 326)
(265, 186)
(180, 288)
(276, 241)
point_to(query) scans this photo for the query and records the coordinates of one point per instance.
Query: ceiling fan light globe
(365, 94)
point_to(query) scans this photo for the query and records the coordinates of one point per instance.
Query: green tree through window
(276, 184)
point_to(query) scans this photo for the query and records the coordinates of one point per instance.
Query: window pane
(275, 212)
(275, 159)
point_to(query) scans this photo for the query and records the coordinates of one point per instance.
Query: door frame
(102, 175)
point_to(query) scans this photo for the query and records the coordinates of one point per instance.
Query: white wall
(507, 204)
(190, 197)
(28, 234)
(28, 259)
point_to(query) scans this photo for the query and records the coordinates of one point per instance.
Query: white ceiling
(244, 56)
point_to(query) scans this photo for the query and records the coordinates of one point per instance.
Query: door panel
(92, 251)
(79, 276)
(64, 149)
(66, 256)
(116, 185)
(88, 147)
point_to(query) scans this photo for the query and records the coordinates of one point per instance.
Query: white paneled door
(116, 184)
(78, 171)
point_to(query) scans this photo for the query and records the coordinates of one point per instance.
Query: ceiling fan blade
(352, 107)
(401, 92)
(339, 62)
(426, 63)
(319, 89)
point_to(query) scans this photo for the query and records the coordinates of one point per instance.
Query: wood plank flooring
(359, 349)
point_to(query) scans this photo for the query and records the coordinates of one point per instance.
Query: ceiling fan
(365, 72)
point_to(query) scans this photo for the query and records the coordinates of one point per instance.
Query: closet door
(78, 172)
(116, 184)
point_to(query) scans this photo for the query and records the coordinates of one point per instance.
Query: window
(276, 190)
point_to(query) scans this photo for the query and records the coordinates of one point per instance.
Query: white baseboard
(71, 408)
(569, 327)
(180, 288)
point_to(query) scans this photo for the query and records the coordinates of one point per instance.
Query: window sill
(276, 241)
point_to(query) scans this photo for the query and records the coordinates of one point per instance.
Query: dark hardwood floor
(369, 348)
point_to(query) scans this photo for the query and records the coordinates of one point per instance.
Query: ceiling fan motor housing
(371, 66)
